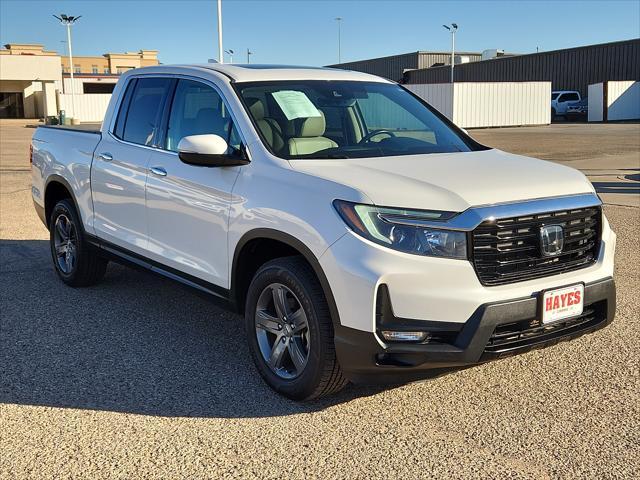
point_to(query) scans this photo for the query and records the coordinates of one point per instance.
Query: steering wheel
(372, 134)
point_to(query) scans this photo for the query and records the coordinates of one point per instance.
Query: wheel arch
(292, 245)
(57, 188)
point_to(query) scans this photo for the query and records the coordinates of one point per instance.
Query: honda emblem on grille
(551, 240)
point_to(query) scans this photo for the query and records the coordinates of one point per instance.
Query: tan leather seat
(309, 137)
(268, 126)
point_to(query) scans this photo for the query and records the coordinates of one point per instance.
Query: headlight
(401, 229)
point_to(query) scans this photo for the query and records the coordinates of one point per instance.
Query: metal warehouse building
(568, 69)
(394, 66)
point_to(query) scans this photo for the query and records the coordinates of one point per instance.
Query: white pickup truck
(561, 100)
(363, 236)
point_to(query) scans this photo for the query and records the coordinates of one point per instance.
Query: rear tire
(299, 326)
(76, 262)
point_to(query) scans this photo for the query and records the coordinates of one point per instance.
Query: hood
(450, 181)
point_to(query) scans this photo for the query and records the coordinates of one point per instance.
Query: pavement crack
(515, 463)
(15, 191)
(620, 205)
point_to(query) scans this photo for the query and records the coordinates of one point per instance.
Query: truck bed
(65, 153)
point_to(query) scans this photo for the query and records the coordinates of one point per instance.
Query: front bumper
(490, 333)
(431, 288)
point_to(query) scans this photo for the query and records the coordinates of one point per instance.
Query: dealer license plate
(562, 303)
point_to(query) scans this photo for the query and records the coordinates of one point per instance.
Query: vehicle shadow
(135, 343)
(632, 187)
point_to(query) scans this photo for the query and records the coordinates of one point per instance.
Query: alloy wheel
(65, 241)
(282, 330)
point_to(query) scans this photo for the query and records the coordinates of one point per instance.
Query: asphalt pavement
(140, 378)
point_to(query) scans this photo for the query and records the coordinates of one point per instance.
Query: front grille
(508, 250)
(511, 336)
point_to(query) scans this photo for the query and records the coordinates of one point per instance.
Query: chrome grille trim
(508, 250)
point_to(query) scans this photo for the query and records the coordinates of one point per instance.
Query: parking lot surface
(140, 378)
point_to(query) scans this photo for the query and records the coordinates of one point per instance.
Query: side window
(569, 97)
(124, 108)
(235, 142)
(197, 109)
(145, 110)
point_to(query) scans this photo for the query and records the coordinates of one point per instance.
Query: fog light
(393, 336)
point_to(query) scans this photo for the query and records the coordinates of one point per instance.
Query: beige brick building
(32, 78)
(110, 63)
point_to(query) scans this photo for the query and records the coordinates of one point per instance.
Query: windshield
(345, 119)
(554, 96)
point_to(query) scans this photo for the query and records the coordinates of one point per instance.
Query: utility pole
(453, 28)
(339, 20)
(249, 53)
(68, 21)
(220, 49)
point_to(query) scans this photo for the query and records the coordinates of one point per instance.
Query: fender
(293, 242)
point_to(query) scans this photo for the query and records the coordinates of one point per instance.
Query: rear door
(188, 205)
(120, 164)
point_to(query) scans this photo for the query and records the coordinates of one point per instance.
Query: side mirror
(209, 150)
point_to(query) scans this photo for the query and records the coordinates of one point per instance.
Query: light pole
(220, 49)
(453, 28)
(230, 53)
(68, 21)
(66, 46)
(249, 53)
(339, 20)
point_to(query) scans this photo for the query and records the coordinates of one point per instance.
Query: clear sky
(305, 32)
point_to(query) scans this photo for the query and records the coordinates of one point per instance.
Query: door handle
(161, 172)
(105, 157)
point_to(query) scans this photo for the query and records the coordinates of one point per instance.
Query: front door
(120, 165)
(188, 206)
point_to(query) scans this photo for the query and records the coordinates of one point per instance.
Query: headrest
(256, 107)
(313, 126)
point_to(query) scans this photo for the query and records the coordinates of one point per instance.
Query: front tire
(76, 262)
(290, 331)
